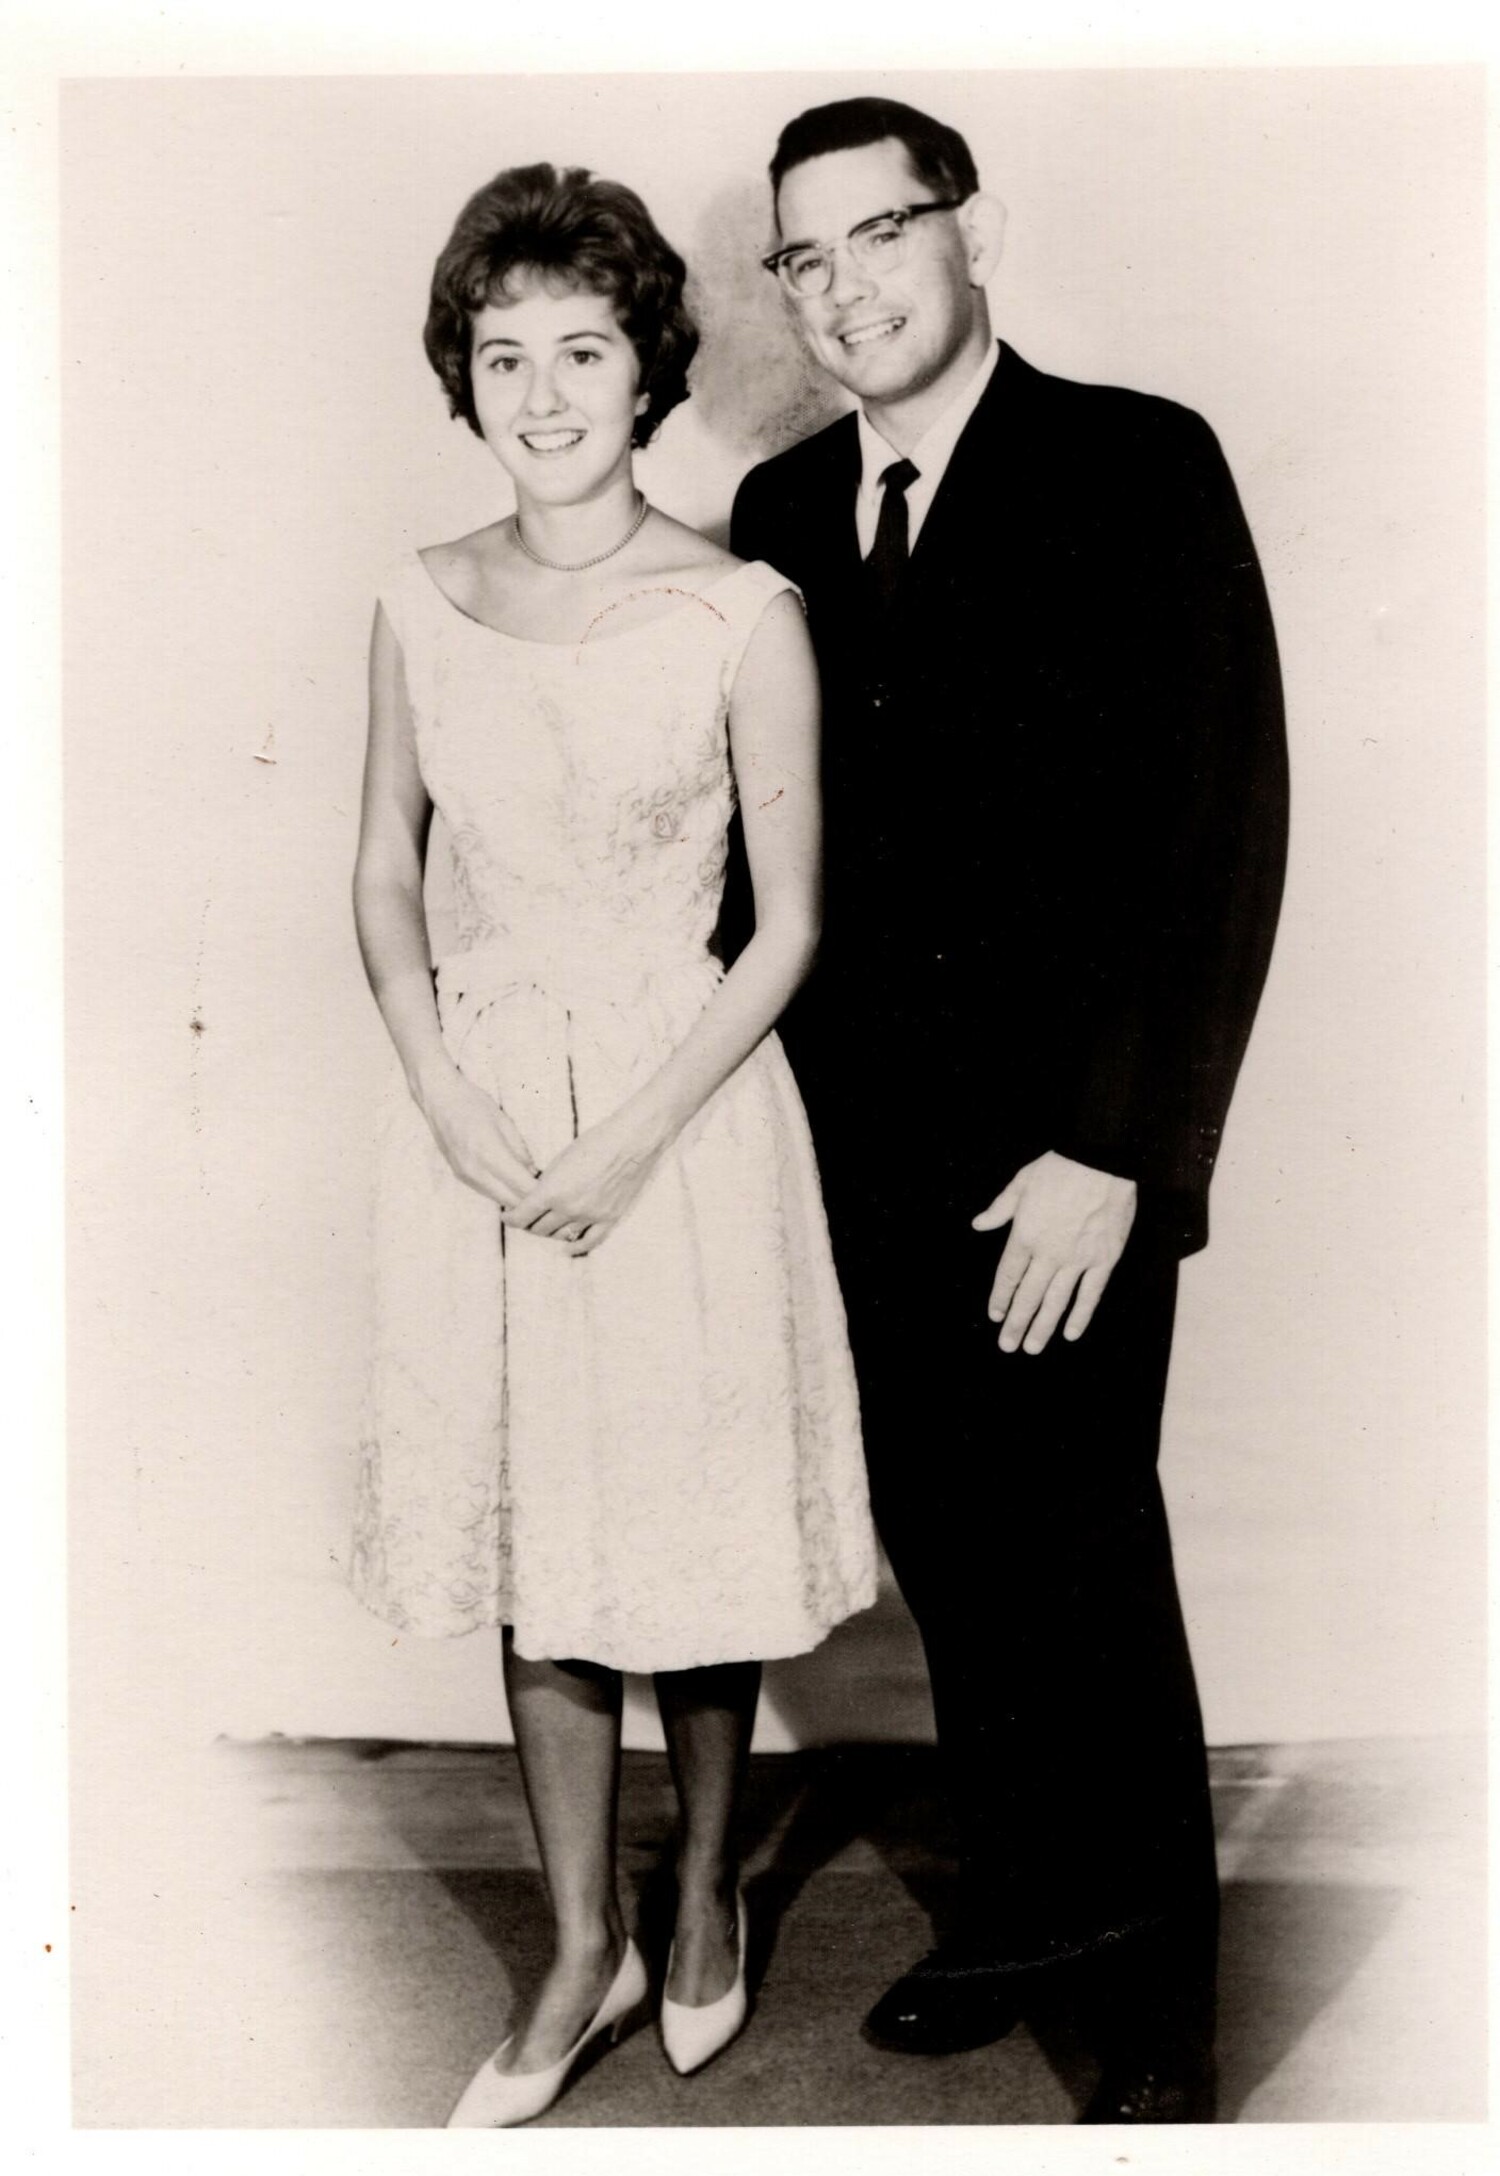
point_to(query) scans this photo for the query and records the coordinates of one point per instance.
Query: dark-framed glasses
(876, 245)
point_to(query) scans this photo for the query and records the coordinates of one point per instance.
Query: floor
(347, 1944)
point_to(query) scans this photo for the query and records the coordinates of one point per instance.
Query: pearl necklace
(577, 566)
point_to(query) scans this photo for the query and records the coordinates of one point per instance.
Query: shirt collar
(934, 449)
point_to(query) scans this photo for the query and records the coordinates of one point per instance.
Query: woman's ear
(982, 219)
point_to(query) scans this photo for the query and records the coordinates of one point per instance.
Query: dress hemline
(779, 1647)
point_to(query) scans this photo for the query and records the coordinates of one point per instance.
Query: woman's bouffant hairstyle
(572, 230)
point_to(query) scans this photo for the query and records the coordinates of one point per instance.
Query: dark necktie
(887, 560)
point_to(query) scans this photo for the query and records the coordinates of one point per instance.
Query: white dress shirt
(930, 457)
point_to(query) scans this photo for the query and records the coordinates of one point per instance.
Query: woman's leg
(708, 1715)
(566, 1717)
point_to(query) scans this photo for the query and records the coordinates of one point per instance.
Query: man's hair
(567, 229)
(940, 158)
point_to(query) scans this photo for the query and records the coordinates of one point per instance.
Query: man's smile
(879, 328)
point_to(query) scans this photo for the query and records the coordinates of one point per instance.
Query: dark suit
(1055, 803)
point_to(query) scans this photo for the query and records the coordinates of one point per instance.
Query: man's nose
(850, 282)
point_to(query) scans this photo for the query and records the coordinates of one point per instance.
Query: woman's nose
(542, 398)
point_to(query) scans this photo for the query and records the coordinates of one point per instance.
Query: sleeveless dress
(648, 1456)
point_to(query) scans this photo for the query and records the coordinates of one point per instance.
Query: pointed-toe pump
(692, 2032)
(496, 2099)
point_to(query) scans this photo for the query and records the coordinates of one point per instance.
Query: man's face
(885, 336)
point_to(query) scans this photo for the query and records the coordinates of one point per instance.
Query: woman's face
(556, 390)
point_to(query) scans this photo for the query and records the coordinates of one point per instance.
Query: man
(1056, 813)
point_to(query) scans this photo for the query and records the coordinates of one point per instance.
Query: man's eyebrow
(812, 242)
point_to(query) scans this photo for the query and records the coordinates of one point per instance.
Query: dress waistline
(569, 970)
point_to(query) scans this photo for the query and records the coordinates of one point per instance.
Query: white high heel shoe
(692, 2032)
(495, 2099)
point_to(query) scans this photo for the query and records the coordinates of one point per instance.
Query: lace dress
(648, 1456)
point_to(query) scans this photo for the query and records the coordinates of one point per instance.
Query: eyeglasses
(879, 244)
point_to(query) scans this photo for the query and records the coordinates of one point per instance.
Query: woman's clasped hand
(584, 1192)
(482, 1146)
(578, 1198)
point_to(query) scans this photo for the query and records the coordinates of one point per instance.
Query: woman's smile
(551, 442)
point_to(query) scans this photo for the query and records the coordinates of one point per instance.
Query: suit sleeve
(748, 522)
(736, 926)
(1180, 941)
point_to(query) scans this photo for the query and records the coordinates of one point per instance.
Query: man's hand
(1068, 1228)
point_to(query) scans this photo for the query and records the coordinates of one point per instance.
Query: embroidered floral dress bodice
(588, 788)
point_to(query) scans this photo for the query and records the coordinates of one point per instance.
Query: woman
(612, 1408)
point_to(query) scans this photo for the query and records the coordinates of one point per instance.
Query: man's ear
(982, 221)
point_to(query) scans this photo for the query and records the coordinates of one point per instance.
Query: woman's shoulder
(460, 565)
(688, 556)
(452, 565)
(420, 590)
(698, 562)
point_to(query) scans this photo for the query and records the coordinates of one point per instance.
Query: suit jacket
(1055, 794)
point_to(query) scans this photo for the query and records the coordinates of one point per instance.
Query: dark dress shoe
(951, 2001)
(1166, 2090)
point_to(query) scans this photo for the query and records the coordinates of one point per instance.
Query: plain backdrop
(252, 434)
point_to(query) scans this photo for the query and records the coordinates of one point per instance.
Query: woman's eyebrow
(504, 340)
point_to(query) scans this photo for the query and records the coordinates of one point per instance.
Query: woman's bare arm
(480, 1143)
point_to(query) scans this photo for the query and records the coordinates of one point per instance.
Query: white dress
(647, 1456)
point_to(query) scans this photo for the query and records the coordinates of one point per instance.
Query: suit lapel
(821, 552)
(831, 541)
(986, 496)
